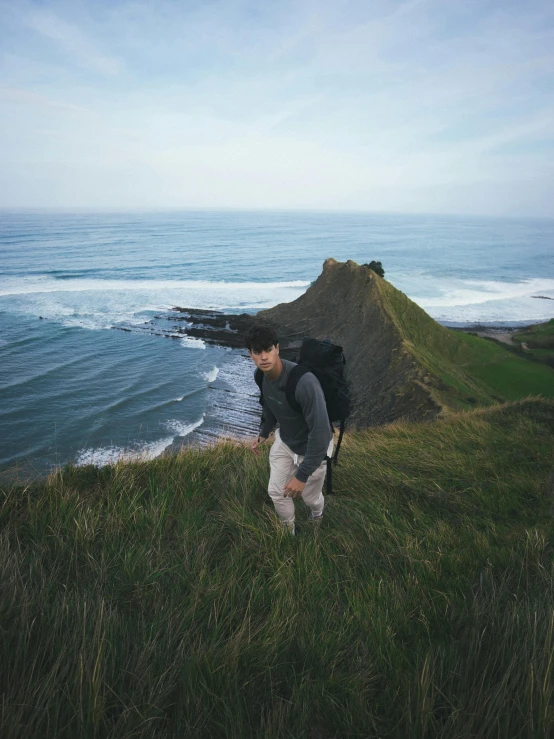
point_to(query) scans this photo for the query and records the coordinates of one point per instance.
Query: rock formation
(401, 364)
(346, 305)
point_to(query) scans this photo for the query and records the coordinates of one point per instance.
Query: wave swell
(103, 304)
(102, 456)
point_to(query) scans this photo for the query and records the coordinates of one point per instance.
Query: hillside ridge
(401, 363)
(163, 598)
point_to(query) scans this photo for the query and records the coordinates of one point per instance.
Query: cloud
(73, 42)
(27, 97)
(384, 105)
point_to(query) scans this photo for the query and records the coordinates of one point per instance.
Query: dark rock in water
(215, 327)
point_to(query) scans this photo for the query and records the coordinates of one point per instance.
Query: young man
(302, 441)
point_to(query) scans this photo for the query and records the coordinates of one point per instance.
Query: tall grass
(162, 599)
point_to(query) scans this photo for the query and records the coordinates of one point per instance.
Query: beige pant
(284, 465)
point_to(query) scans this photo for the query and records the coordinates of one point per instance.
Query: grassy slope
(541, 335)
(474, 369)
(539, 340)
(161, 599)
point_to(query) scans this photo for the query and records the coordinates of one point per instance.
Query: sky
(442, 106)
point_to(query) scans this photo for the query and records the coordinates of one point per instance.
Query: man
(302, 441)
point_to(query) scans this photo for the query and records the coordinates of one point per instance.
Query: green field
(161, 599)
(541, 335)
(539, 340)
(470, 370)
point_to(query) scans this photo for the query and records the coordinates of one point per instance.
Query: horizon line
(113, 210)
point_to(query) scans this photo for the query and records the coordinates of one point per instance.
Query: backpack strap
(341, 434)
(293, 379)
(259, 378)
(329, 481)
(333, 460)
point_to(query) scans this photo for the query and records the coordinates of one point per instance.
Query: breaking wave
(182, 428)
(189, 342)
(211, 376)
(102, 456)
(474, 292)
(101, 304)
(45, 284)
(484, 301)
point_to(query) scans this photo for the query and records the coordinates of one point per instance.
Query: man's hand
(294, 488)
(256, 443)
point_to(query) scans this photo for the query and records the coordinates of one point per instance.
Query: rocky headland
(343, 304)
(401, 364)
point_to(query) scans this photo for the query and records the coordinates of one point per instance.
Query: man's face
(266, 359)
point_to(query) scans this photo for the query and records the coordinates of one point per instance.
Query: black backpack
(326, 361)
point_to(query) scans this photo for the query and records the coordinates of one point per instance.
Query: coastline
(226, 330)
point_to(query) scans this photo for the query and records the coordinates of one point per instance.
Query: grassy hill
(469, 369)
(161, 599)
(401, 363)
(538, 341)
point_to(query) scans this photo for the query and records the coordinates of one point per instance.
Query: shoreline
(224, 329)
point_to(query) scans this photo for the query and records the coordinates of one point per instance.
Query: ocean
(88, 373)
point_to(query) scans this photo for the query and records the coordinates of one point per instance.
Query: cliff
(400, 362)
(345, 304)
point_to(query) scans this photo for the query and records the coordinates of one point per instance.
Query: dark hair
(261, 337)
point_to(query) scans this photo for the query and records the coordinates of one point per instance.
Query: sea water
(84, 379)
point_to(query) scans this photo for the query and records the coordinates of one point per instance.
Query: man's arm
(312, 401)
(256, 443)
(268, 422)
(266, 427)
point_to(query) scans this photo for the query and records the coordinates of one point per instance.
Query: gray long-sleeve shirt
(307, 433)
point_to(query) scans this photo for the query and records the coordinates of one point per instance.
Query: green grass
(162, 599)
(539, 340)
(541, 335)
(470, 370)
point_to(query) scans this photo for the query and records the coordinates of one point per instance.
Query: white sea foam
(47, 284)
(474, 292)
(481, 301)
(189, 342)
(183, 428)
(102, 304)
(211, 376)
(101, 456)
